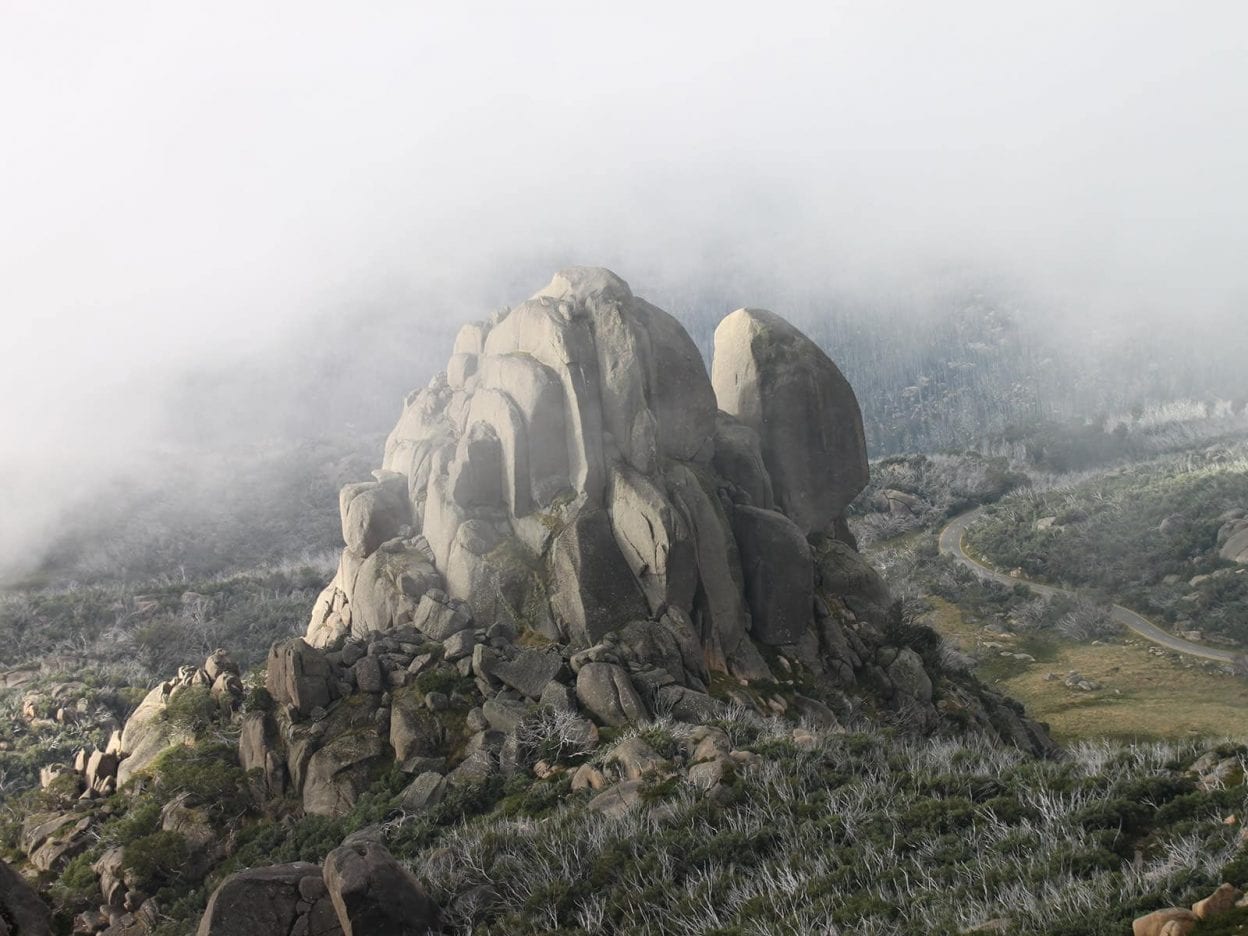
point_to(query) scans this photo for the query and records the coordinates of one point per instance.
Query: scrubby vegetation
(1146, 534)
(868, 833)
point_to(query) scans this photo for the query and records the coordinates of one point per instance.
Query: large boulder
(260, 750)
(374, 511)
(22, 912)
(1172, 921)
(779, 574)
(288, 898)
(146, 735)
(338, 773)
(389, 585)
(718, 610)
(654, 539)
(529, 672)
(374, 895)
(782, 385)
(416, 733)
(739, 459)
(592, 588)
(298, 675)
(575, 470)
(1235, 546)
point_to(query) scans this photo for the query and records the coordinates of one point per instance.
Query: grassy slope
(1145, 696)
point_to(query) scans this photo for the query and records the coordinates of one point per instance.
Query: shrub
(192, 709)
(156, 859)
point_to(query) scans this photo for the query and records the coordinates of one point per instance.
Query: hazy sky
(181, 182)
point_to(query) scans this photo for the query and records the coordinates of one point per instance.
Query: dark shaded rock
(22, 911)
(782, 385)
(338, 773)
(529, 672)
(504, 715)
(779, 574)
(374, 895)
(605, 690)
(298, 675)
(415, 731)
(280, 899)
(593, 589)
(424, 792)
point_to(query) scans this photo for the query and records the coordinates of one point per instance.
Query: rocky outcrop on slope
(361, 891)
(575, 469)
(575, 529)
(575, 479)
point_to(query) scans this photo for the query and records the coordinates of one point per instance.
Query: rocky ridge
(575, 529)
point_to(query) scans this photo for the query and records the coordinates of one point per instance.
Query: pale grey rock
(470, 339)
(778, 382)
(493, 573)
(146, 735)
(520, 386)
(297, 675)
(459, 646)
(635, 759)
(617, 800)
(559, 335)
(438, 616)
(654, 539)
(1235, 548)
(605, 691)
(460, 369)
(374, 511)
(388, 587)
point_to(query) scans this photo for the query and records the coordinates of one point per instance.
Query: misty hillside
(935, 371)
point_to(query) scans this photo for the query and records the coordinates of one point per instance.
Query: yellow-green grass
(1143, 696)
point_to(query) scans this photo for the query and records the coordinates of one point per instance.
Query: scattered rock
(606, 691)
(617, 800)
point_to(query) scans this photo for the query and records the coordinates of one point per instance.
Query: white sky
(182, 180)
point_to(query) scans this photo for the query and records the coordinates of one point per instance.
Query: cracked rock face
(575, 470)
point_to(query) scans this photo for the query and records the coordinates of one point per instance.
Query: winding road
(952, 544)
